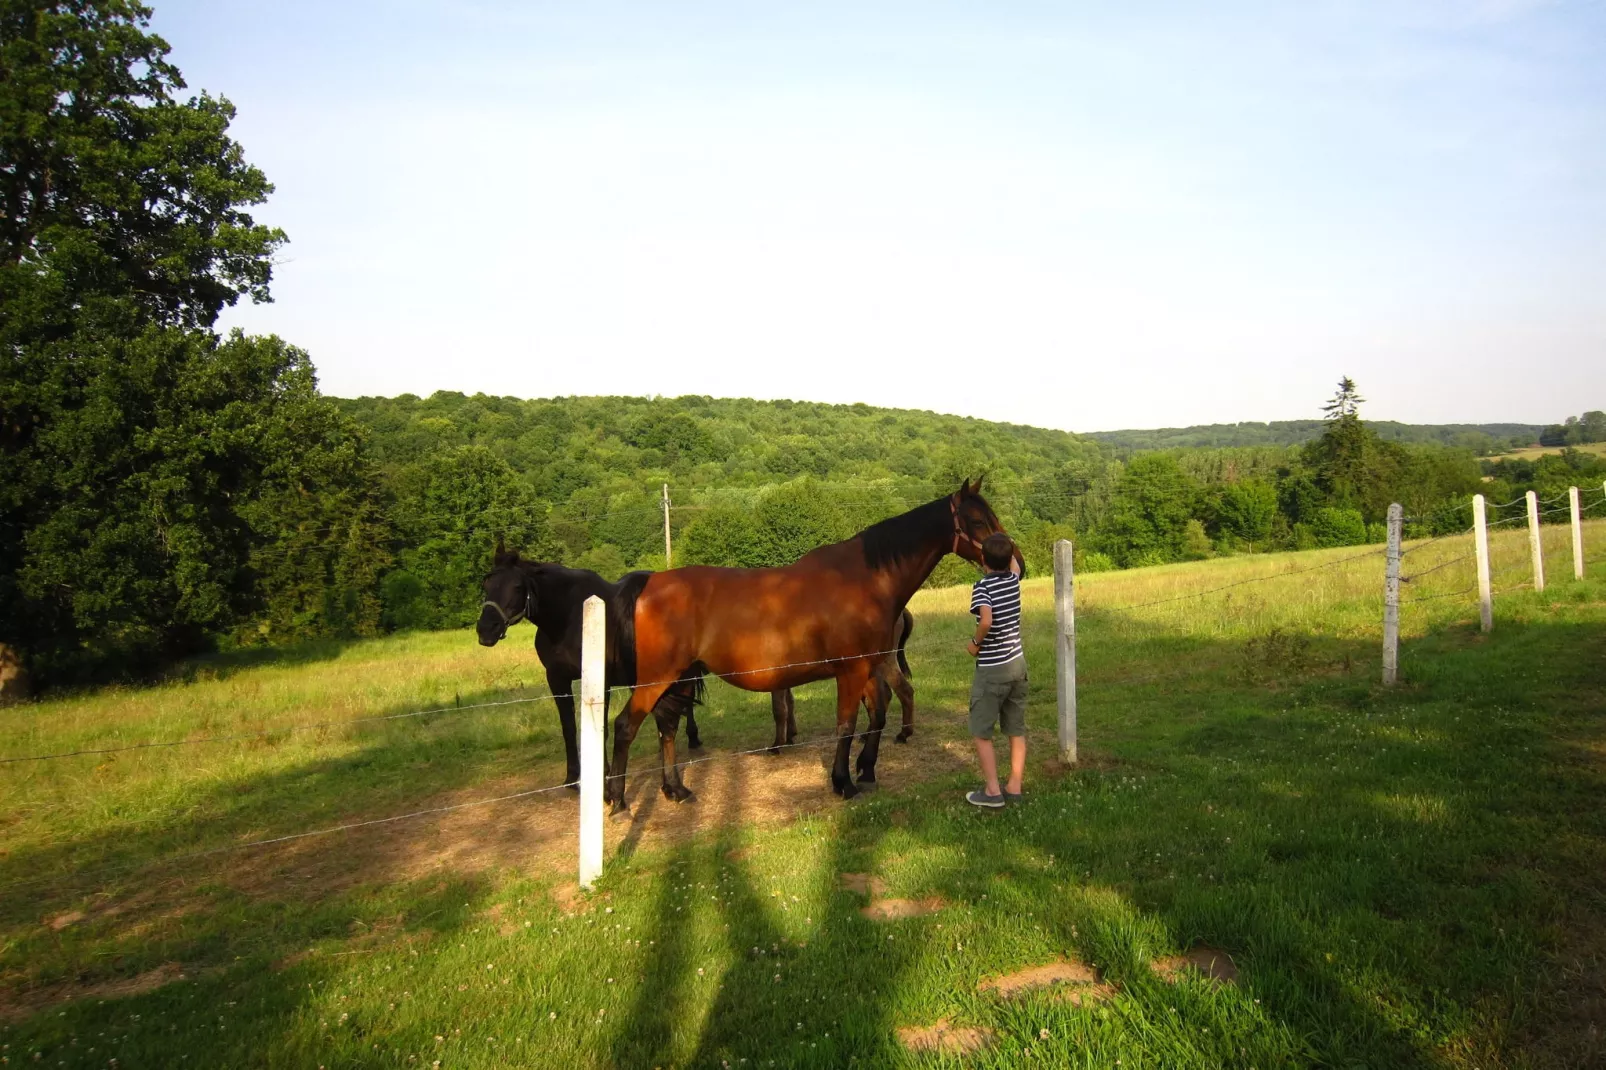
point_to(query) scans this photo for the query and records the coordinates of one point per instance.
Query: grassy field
(1534, 452)
(1401, 878)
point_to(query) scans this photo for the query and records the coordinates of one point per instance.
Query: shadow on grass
(222, 664)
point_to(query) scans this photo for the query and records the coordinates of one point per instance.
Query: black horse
(886, 678)
(552, 598)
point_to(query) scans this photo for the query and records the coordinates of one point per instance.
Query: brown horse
(827, 615)
(890, 676)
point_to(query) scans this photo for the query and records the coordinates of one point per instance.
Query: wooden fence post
(1391, 598)
(1065, 647)
(1578, 534)
(1480, 543)
(593, 696)
(1534, 545)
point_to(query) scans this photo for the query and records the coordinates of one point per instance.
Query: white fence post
(593, 695)
(1391, 598)
(1534, 544)
(1065, 647)
(1578, 534)
(1480, 543)
(668, 557)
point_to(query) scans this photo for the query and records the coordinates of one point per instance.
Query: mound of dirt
(898, 909)
(1079, 983)
(944, 1038)
(1212, 963)
(864, 884)
(1061, 972)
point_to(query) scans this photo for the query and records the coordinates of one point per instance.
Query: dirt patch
(898, 909)
(15, 1006)
(505, 926)
(478, 843)
(1062, 972)
(864, 884)
(61, 921)
(569, 898)
(1087, 995)
(1213, 964)
(944, 1038)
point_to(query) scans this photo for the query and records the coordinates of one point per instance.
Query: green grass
(1533, 453)
(1404, 878)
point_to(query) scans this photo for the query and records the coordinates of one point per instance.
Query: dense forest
(760, 483)
(1482, 439)
(166, 488)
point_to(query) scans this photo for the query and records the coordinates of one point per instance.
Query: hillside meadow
(1371, 877)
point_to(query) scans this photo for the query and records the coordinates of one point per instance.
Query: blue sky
(1077, 216)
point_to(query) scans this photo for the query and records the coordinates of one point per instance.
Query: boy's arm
(984, 621)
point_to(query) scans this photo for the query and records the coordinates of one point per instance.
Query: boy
(998, 693)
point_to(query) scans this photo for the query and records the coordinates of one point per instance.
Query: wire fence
(737, 674)
(732, 676)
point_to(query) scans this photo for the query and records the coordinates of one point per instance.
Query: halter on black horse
(523, 612)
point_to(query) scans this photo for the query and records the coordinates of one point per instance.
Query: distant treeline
(759, 483)
(1482, 439)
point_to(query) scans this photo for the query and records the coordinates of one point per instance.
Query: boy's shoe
(1012, 796)
(979, 797)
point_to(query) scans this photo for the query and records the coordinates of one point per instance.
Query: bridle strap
(953, 509)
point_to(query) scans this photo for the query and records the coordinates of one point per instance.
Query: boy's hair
(997, 550)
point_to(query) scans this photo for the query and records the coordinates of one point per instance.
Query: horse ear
(501, 546)
(975, 487)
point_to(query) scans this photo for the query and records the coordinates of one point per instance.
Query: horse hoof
(574, 785)
(902, 737)
(867, 785)
(695, 744)
(847, 791)
(682, 795)
(620, 812)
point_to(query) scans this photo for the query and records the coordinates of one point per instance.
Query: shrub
(1338, 527)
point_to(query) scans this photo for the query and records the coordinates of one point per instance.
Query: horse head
(974, 520)
(509, 596)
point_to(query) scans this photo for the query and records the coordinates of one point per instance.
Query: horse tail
(903, 640)
(622, 622)
(699, 684)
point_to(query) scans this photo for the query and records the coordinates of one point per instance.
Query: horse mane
(895, 538)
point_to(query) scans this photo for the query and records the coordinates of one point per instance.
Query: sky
(1080, 216)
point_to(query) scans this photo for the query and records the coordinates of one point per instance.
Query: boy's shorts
(998, 696)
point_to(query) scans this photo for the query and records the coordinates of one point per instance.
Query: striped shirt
(1001, 591)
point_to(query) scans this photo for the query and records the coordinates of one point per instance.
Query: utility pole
(669, 561)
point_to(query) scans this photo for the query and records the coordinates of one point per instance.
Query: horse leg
(667, 714)
(694, 738)
(878, 696)
(849, 690)
(781, 710)
(791, 718)
(562, 688)
(906, 699)
(641, 700)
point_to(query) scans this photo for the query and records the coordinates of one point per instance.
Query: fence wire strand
(833, 739)
(264, 733)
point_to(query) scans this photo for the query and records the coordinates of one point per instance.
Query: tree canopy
(144, 460)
